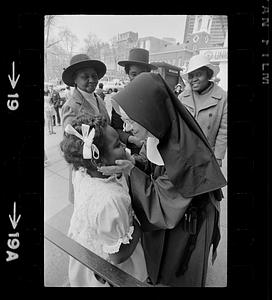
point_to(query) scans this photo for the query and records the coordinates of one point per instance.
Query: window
(209, 24)
(199, 23)
(196, 38)
(147, 45)
(179, 62)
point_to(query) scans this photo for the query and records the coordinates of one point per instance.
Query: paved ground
(57, 212)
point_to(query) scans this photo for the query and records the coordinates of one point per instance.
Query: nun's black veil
(189, 159)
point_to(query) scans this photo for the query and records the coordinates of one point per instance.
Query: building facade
(176, 55)
(110, 55)
(125, 42)
(205, 31)
(152, 44)
(219, 55)
(206, 34)
(165, 50)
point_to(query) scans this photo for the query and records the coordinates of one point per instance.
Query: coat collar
(215, 96)
(79, 97)
(86, 95)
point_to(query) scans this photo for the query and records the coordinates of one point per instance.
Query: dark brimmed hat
(138, 56)
(81, 61)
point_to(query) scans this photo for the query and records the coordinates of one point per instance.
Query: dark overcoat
(162, 197)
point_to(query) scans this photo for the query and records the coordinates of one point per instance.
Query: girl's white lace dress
(102, 221)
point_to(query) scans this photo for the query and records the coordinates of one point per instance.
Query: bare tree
(93, 46)
(48, 22)
(68, 42)
(58, 49)
(57, 61)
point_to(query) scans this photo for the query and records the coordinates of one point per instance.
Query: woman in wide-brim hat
(207, 102)
(83, 74)
(79, 62)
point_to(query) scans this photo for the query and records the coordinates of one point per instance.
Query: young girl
(103, 220)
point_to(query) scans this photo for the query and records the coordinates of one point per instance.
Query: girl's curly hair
(72, 146)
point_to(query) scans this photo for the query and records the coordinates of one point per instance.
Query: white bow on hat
(89, 149)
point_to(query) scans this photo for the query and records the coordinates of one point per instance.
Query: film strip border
(21, 110)
(248, 150)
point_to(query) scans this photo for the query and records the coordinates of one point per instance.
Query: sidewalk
(56, 199)
(58, 210)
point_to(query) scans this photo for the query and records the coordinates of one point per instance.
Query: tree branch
(53, 44)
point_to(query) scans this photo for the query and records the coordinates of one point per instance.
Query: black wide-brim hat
(82, 61)
(138, 56)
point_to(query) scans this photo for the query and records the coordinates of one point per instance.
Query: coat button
(210, 115)
(209, 127)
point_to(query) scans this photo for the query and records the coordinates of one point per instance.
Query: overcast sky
(105, 27)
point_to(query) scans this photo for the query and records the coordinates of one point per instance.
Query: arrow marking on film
(13, 220)
(12, 80)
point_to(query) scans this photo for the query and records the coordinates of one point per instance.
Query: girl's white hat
(198, 61)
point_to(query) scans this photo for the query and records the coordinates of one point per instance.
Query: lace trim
(123, 240)
(83, 172)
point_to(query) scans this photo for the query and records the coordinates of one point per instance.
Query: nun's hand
(121, 166)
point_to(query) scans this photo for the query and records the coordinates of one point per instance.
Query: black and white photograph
(135, 150)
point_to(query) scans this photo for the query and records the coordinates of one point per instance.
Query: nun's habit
(176, 251)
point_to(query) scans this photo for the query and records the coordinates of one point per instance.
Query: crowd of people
(145, 181)
(54, 99)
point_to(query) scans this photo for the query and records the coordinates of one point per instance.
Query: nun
(175, 188)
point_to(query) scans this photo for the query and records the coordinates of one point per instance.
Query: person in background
(216, 80)
(178, 89)
(100, 91)
(115, 91)
(50, 88)
(46, 160)
(207, 102)
(48, 112)
(137, 63)
(62, 101)
(62, 94)
(68, 93)
(82, 75)
(56, 101)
